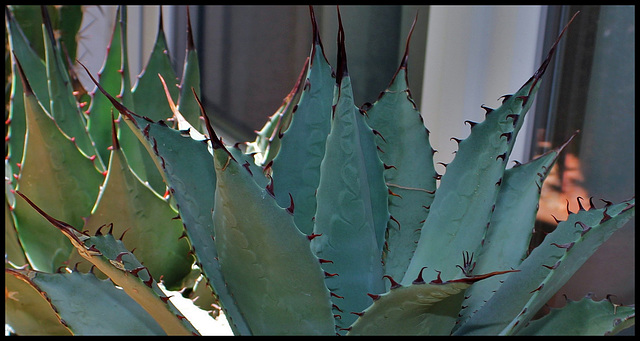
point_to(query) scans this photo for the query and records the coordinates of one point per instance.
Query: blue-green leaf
(352, 213)
(296, 168)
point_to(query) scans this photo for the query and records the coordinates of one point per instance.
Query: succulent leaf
(27, 311)
(149, 222)
(418, 309)
(583, 317)
(187, 105)
(547, 268)
(16, 124)
(33, 67)
(63, 106)
(409, 173)
(296, 168)
(296, 234)
(67, 25)
(14, 254)
(465, 200)
(148, 88)
(110, 256)
(351, 216)
(111, 312)
(66, 21)
(114, 78)
(509, 234)
(276, 280)
(33, 64)
(186, 164)
(52, 166)
(13, 250)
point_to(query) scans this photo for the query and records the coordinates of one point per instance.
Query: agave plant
(330, 222)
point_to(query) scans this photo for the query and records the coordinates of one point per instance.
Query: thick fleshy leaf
(26, 311)
(13, 251)
(30, 20)
(148, 94)
(33, 67)
(547, 269)
(507, 241)
(33, 64)
(409, 171)
(187, 104)
(66, 21)
(266, 261)
(67, 25)
(112, 78)
(465, 200)
(463, 204)
(296, 168)
(115, 75)
(111, 257)
(150, 223)
(186, 164)
(16, 123)
(267, 142)
(352, 214)
(417, 309)
(63, 106)
(188, 168)
(110, 312)
(148, 89)
(57, 175)
(584, 317)
(422, 309)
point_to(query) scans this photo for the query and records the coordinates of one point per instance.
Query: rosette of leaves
(330, 222)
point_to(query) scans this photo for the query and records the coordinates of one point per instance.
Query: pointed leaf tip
(46, 20)
(550, 54)
(314, 25)
(215, 141)
(160, 21)
(190, 44)
(121, 108)
(405, 58)
(561, 147)
(67, 229)
(342, 54)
